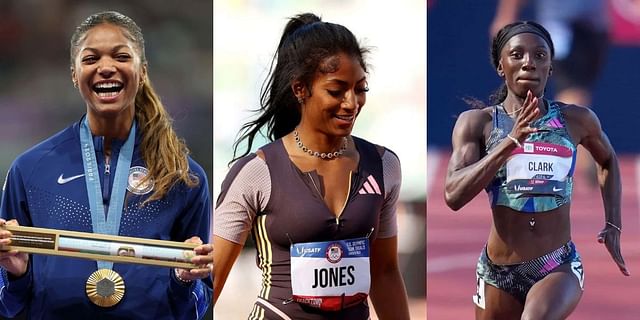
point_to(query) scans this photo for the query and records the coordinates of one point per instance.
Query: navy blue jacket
(54, 287)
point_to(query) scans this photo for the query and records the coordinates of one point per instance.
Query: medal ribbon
(111, 223)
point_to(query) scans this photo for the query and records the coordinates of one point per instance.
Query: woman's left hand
(203, 259)
(610, 236)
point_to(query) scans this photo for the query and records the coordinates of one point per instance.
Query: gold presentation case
(103, 247)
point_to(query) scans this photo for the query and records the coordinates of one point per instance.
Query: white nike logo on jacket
(62, 180)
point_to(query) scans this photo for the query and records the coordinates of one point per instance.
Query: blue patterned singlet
(538, 176)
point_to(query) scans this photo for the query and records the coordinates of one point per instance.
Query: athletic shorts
(517, 279)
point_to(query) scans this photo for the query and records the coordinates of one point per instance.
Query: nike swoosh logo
(62, 180)
(556, 190)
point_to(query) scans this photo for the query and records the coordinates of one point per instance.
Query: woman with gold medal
(120, 170)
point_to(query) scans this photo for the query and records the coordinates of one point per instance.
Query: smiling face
(337, 94)
(525, 61)
(108, 71)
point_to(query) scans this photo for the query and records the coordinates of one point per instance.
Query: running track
(454, 241)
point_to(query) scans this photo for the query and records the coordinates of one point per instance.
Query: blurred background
(459, 66)
(37, 98)
(246, 34)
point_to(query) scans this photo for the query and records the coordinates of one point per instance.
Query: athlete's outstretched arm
(597, 143)
(388, 293)
(468, 173)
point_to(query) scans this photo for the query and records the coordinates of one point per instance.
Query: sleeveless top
(538, 176)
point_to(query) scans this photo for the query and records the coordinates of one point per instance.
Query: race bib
(330, 275)
(539, 168)
(478, 298)
(578, 271)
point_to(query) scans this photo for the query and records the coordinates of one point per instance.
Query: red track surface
(454, 241)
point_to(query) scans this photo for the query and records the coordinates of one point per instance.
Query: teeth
(108, 85)
(347, 118)
(107, 94)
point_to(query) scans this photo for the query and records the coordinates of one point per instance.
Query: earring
(75, 84)
(501, 74)
(300, 100)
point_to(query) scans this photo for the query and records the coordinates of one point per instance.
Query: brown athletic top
(282, 205)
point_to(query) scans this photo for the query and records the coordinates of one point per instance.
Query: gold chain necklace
(512, 112)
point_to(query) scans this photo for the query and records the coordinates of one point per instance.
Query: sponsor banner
(543, 148)
(332, 303)
(536, 187)
(352, 248)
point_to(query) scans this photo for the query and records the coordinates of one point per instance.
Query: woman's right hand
(13, 261)
(522, 126)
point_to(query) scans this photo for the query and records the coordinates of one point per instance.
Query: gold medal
(105, 287)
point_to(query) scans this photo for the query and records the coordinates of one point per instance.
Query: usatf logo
(302, 250)
(528, 147)
(334, 253)
(134, 182)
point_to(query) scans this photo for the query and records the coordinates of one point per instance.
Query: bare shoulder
(578, 114)
(476, 115)
(582, 122)
(473, 123)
